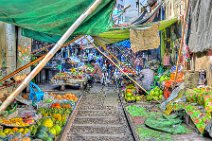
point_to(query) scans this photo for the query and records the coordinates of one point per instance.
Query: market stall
(166, 111)
(70, 78)
(44, 119)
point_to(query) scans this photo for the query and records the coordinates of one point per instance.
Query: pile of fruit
(47, 128)
(69, 75)
(58, 115)
(69, 96)
(130, 94)
(17, 121)
(155, 94)
(47, 132)
(54, 119)
(61, 75)
(63, 105)
(163, 78)
(17, 134)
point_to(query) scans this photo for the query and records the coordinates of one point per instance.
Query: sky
(133, 10)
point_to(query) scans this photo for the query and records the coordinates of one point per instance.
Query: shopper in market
(97, 73)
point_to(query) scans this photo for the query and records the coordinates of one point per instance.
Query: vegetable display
(130, 94)
(53, 118)
(155, 94)
(69, 96)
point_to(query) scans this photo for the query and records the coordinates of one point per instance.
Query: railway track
(99, 117)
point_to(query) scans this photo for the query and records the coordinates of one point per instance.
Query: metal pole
(50, 54)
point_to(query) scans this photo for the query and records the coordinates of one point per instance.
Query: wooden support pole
(50, 54)
(117, 66)
(181, 42)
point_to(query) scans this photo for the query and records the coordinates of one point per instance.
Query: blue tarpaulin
(125, 43)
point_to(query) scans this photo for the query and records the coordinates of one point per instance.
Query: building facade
(118, 16)
(174, 8)
(15, 50)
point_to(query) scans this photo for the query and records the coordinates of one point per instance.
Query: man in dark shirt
(67, 65)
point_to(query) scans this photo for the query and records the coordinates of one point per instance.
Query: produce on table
(47, 128)
(155, 94)
(59, 116)
(58, 129)
(52, 123)
(168, 83)
(43, 133)
(18, 134)
(68, 75)
(69, 96)
(66, 106)
(48, 123)
(17, 121)
(56, 105)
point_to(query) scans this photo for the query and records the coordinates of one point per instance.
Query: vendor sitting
(67, 65)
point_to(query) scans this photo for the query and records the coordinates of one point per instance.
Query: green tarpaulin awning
(113, 36)
(48, 20)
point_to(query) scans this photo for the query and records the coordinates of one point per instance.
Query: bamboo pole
(117, 66)
(50, 54)
(182, 41)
